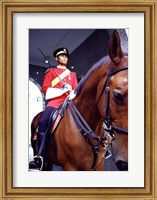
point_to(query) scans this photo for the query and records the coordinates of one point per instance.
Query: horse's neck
(86, 103)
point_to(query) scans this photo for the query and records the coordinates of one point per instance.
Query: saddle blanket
(54, 125)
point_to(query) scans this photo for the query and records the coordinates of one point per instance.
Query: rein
(86, 131)
(85, 128)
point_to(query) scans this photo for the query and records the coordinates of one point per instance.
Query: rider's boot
(38, 162)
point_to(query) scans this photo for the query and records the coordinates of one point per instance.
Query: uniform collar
(60, 67)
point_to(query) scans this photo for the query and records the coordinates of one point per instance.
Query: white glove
(67, 87)
(72, 95)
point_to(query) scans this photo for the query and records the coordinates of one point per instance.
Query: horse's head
(115, 96)
(119, 116)
(103, 95)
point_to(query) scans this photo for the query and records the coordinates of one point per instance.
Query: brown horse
(80, 142)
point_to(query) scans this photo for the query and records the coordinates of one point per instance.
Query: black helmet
(60, 51)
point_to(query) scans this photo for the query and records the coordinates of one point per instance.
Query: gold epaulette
(48, 69)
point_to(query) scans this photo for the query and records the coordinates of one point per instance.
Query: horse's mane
(93, 68)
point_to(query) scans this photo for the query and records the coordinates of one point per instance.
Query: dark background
(86, 47)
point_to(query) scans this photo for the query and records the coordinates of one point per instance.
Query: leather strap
(61, 77)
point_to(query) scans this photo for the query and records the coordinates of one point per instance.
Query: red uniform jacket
(50, 76)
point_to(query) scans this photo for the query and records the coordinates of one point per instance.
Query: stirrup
(42, 161)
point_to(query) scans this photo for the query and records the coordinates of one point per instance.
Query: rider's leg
(43, 124)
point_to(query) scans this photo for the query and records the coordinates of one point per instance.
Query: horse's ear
(114, 48)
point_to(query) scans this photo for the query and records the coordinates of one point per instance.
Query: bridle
(109, 128)
(85, 129)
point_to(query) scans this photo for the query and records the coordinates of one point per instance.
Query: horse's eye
(118, 97)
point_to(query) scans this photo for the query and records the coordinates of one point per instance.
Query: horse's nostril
(122, 165)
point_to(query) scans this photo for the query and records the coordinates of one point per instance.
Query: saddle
(56, 116)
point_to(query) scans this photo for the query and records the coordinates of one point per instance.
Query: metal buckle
(108, 129)
(109, 154)
(107, 89)
(110, 137)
